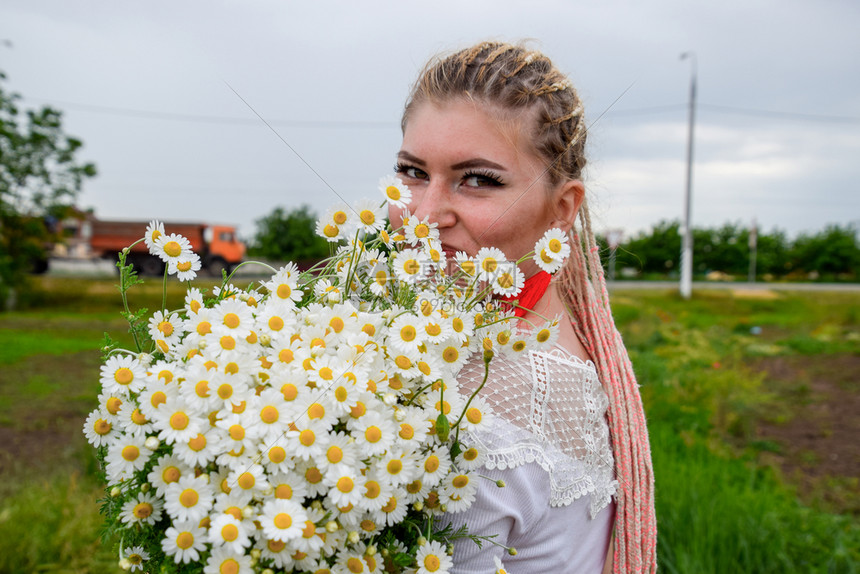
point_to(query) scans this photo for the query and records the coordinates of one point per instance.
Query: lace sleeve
(550, 410)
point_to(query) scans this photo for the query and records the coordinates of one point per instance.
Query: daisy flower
(394, 510)
(406, 333)
(122, 375)
(410, 265)
(154, 230)
(432, 558)
(185, 267)
(371, 216)
(177, 421)
(395, 191)
(472, 458)
(554, 241)
(166, 326)
(288, 485)
(223, 560)
(467, 265)
(420, 231)
(144, 509)
(546, 336)
(189, 498)
(136, 556)
(170, 248)
(374, 433)
(434, 466)
(126, 455)
(477, 416)
(184, 541)
(250, 480)
(376, 491)
(282, 519)
(345, 486)
(545, 261)
(380, 279)
(226, 531)
(413, 427)
(509, 281)
(232, 317)
(458, 491)
(167, 470)
(489, 260)
(308, 439)
(399, 465)
(98, 429)
(270, 415)
(500, 568)
(453, 354)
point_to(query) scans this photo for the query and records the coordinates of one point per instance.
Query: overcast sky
(149, 88)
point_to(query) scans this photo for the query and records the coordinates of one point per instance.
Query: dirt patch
(817, 435)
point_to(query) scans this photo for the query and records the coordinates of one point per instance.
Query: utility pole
(686, 287)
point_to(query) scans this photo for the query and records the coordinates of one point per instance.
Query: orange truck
(91, 238)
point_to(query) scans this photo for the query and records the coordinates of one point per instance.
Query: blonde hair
(514, 80)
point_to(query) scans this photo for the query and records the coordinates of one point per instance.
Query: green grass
(721, 507)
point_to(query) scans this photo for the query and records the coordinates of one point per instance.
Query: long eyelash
(485, 173)
(400, 167)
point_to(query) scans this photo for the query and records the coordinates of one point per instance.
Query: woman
(493, 151)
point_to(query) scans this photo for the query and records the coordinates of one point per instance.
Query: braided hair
(514, 82)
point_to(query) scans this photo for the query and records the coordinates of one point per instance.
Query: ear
(566, 200)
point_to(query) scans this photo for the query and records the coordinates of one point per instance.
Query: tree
(39, 181)
(289, 235)
(832, 252)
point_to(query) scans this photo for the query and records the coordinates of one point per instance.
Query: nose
(434, 203)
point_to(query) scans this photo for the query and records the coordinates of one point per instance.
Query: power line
(364, 124)
(206, 119)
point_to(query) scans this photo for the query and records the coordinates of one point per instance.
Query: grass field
(752, 400)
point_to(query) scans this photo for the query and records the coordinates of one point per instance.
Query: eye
(482, 179)
(410, 171)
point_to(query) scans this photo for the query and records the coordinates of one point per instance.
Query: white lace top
(550, 444)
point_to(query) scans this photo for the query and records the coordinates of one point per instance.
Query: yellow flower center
(313, 475)
(290, 392)
(341, 394)
(246, 481)
(228, 343)
(393, 193)
(468, 267)
(185, 540)
(225, 391)
(113, 404)
(123, 376)
(414, 487)
(394, 467)
(229, 532)
(372, 489)
(431, 563)
(269, 414)
(231, 320)
(373, 434)
(189, 498)
(184, 266)
(355, 565)
(406, 431)
(473, 415)
(179, 421)
(142, 510)
(316, 411)
(543, 335)
(229, 566)
(101, 427)
(489, 264)
(307, 437)
(403, 362)
(471, 454)
(202, 389)
(237, 432)
(422, 231)
(460, 481)
(204, 328)
(277, 454)
(367, 217)
(130, 453)
(172, 249)
(284, 492)
(555, 245)
(284, 291)
(519, 346)
(283, 520)
(411, 266)
(170, 474)
(390, 506)
(432, 463)
(197, 443)
(339, 217)
(345, 484)
(505, 281)
(166, 327)
(408, 333)
(330, 230)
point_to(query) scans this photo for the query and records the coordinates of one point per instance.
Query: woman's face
(479, 182)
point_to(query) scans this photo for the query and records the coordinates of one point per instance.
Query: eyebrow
(467, 164)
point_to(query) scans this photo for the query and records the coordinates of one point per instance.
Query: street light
(686, 287)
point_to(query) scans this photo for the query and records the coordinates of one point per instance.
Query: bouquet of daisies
(311, 423)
